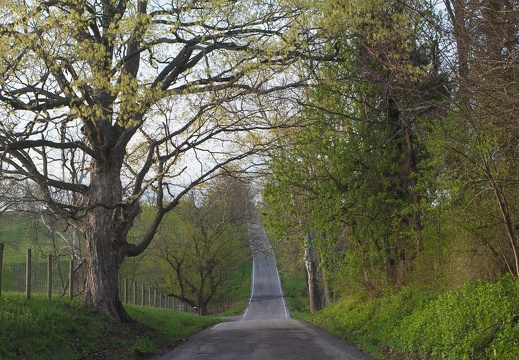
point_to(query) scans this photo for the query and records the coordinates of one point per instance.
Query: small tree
(204, 241)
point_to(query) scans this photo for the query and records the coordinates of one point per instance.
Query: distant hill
(20, 231)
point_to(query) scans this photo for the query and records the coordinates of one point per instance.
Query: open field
(20, 231)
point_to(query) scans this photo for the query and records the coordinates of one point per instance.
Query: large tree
(104, 102)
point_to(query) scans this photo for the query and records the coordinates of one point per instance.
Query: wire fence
(53, 276)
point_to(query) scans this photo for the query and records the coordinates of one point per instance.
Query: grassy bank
(296, 296)
(59, 329)
(479, 320)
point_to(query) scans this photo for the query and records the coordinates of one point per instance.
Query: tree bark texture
(105, 240)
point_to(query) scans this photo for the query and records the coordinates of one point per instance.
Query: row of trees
(405, 152)
(407, 170)
(108, 103)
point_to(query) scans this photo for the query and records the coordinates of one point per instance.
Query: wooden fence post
(149, 297)
(134, 292)
(142, 295)
(28, 269)
(49, 277)
(1, 263)
(71, 280)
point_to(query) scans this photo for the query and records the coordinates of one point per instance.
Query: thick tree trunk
(105, 240)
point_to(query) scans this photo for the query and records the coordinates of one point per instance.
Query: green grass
(59, 329)
(15, 227)
(18, 232)
(479, 320)
(296, 296)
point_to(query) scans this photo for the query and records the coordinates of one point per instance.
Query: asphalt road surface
(265, 331)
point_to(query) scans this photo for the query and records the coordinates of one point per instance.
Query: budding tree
(107, 101)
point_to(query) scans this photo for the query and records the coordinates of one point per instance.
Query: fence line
(54, 278)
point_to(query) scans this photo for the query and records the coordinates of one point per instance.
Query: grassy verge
(59, 329)
(296, 296)
(479, 320)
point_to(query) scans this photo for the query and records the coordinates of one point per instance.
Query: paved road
(265, 331)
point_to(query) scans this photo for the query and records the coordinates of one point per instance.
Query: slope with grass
(60, 329)
(20, 231)
(478, 320)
